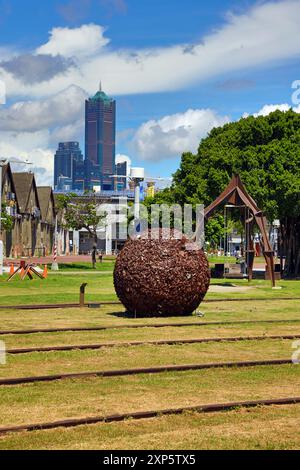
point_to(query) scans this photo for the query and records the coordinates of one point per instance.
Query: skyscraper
(121, 170)
(67, 158)
(100, 136)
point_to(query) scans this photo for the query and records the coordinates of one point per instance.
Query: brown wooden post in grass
(82, 293)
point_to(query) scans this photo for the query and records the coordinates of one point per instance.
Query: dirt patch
(231, 288)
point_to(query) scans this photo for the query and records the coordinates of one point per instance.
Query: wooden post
(82, 293)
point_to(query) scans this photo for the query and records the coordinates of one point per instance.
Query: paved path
(60, 259)
(67, 273)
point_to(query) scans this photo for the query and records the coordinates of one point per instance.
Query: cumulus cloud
(32, 69)
(270, 108)
(81, 42)
(31, 147)
(266, 33)
(31, 130)
(61, 109)
(170, 136)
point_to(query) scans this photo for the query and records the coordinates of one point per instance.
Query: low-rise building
(10, 237)
(47, 219)
(29, 243)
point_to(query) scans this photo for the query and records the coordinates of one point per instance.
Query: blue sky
(175, 68)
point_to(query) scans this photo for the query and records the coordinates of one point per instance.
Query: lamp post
(4, 161)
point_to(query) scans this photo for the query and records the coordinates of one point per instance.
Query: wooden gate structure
(237, 195)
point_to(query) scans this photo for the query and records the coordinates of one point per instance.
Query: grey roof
(23, 183)
(44, 194)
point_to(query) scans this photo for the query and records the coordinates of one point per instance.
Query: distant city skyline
(98, 166)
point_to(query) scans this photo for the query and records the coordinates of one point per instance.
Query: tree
(7, 222)
(265, 152)
(80, 212)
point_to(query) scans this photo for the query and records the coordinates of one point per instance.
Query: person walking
(94, 256)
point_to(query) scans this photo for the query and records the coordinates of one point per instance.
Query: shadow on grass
(144, 315)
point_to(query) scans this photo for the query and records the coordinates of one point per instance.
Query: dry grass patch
(96, 396)
(258, 428)
(125, 357)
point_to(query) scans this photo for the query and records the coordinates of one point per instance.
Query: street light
(4, 161)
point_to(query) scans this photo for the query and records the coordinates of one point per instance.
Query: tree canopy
(80, 213)
(265, 152)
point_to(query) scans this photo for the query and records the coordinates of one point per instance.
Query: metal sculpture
(236, 194)
(160, 277)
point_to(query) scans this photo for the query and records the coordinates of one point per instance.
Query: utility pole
(54, 266)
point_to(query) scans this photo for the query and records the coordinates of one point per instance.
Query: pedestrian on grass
(94, 256)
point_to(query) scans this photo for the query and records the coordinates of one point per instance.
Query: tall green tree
(265, 152)
(80, 213)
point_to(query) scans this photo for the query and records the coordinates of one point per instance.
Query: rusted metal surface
(154, 325)
(160, 277)
(83, 347)
(143, 370)
(82, 295)
(207, 408)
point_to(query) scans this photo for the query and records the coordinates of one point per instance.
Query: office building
(66, 160)
(100, 136)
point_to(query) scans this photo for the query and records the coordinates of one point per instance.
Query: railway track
(143, 370)
(142, 325)
(209, 408)
(82, 347)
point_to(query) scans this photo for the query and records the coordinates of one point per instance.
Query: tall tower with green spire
(100, 137)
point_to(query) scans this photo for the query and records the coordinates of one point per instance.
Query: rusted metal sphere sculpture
(160, 277)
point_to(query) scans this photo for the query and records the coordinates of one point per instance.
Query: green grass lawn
(259, 428)
(106, 265)
(64, 288)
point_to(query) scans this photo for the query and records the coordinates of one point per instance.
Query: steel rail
(206, 408)
(142, 325)
(143, 370)
(83, 347)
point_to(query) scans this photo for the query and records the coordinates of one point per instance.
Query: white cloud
(270, 108)
(170, 136)
(61, 109)
(85, 41)
(31, 130)
(265, 34)
(31, 147)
